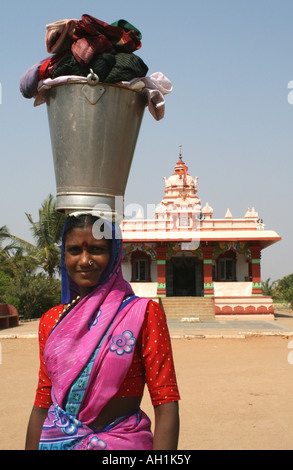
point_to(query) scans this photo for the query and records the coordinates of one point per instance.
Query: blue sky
(230, 63)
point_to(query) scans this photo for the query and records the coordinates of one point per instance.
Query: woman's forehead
(83, 236)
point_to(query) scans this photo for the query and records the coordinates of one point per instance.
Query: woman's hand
(35, 426)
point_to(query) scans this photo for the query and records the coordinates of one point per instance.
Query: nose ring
(91, 262)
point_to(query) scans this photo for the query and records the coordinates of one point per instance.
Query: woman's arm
(161, 377)
(34, 429)
(166, 430)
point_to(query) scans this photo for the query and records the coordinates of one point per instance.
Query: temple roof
(180, 217)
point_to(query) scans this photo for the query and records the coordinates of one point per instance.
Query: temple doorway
(184, 277)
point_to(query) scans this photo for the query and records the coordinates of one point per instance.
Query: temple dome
(181, 184)
(180, 192)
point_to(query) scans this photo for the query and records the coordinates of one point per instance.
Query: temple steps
(201, 308)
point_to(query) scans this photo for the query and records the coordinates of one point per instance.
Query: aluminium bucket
(94, 128)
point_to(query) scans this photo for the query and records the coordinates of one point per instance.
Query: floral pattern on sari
(123, 343)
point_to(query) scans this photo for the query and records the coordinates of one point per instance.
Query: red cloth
(152, 363)
(85, 39)
(92, 36)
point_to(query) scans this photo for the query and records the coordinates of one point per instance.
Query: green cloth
(110, 68)
(127, 27)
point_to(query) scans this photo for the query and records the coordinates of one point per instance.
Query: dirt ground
(235, 393)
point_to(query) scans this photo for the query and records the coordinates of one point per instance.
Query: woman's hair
(80, 221)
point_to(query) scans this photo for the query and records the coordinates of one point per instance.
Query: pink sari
(88, 355)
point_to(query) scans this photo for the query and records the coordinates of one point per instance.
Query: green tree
(268, 287)
(47, 232)
(4, 233)
(5, 280)
(17, 254)
(11, 257)
(27, 270)
(4, 250)
(283, 290)
(33, 294)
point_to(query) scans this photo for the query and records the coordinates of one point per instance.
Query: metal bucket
(94, 128)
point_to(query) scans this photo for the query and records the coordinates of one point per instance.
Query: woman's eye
(93, 250)
(74, 250)
(97, 250)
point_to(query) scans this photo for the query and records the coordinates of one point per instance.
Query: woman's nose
(84, 258)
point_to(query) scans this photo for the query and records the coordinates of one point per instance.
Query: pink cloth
(72, 343)
(91, 349)
(59, 35)
(61, 432)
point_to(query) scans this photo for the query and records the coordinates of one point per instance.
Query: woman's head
(89, 251)
(85, 220)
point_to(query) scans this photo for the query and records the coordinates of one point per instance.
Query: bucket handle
(92, 78)
(90, 90)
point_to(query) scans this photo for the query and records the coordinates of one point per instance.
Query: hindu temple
(195, 263)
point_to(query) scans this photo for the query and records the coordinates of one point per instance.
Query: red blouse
(152, 361)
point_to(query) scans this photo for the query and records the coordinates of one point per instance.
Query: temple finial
(180, 152)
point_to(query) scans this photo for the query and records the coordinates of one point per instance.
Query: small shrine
(185, 252)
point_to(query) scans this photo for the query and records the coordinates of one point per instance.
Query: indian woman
(98, 352)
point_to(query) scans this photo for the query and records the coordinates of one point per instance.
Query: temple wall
(145, 289)
(235, 298)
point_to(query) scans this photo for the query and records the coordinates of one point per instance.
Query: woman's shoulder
(155, 308)
(49, 318)
(54, 311)
(154, 313)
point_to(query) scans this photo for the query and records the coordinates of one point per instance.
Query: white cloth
(154, 88)
(48, 83)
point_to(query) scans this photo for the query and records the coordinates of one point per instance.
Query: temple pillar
(256, 270)
(161, 270)
(208, 284)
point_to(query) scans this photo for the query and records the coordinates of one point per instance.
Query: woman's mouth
(86, 273)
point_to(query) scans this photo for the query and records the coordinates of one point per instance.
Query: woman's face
(86, 258)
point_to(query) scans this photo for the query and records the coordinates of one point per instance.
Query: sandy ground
(236, 393)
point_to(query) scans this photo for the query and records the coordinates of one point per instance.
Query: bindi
(84, 244)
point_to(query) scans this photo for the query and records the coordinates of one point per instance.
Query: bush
(32, 295)
(283, 290)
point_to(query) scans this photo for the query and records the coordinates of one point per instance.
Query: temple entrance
(183, 277)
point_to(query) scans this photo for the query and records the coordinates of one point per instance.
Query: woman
(97, 354)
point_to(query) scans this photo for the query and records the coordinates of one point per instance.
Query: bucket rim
(76, 81)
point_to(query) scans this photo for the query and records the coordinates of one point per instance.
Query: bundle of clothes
(107, 50)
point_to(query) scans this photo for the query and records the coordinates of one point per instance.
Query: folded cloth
(59, 35)
(30, 79)
(155, 87)
(92, 36)
(110, 68)
(76, 46)
(84, 49)
(48, 83)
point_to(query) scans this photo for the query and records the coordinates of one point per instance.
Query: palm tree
(47, 232)
(268, 286)
(4, 235)
(16, 253)
(4, 250)
(4, 232)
